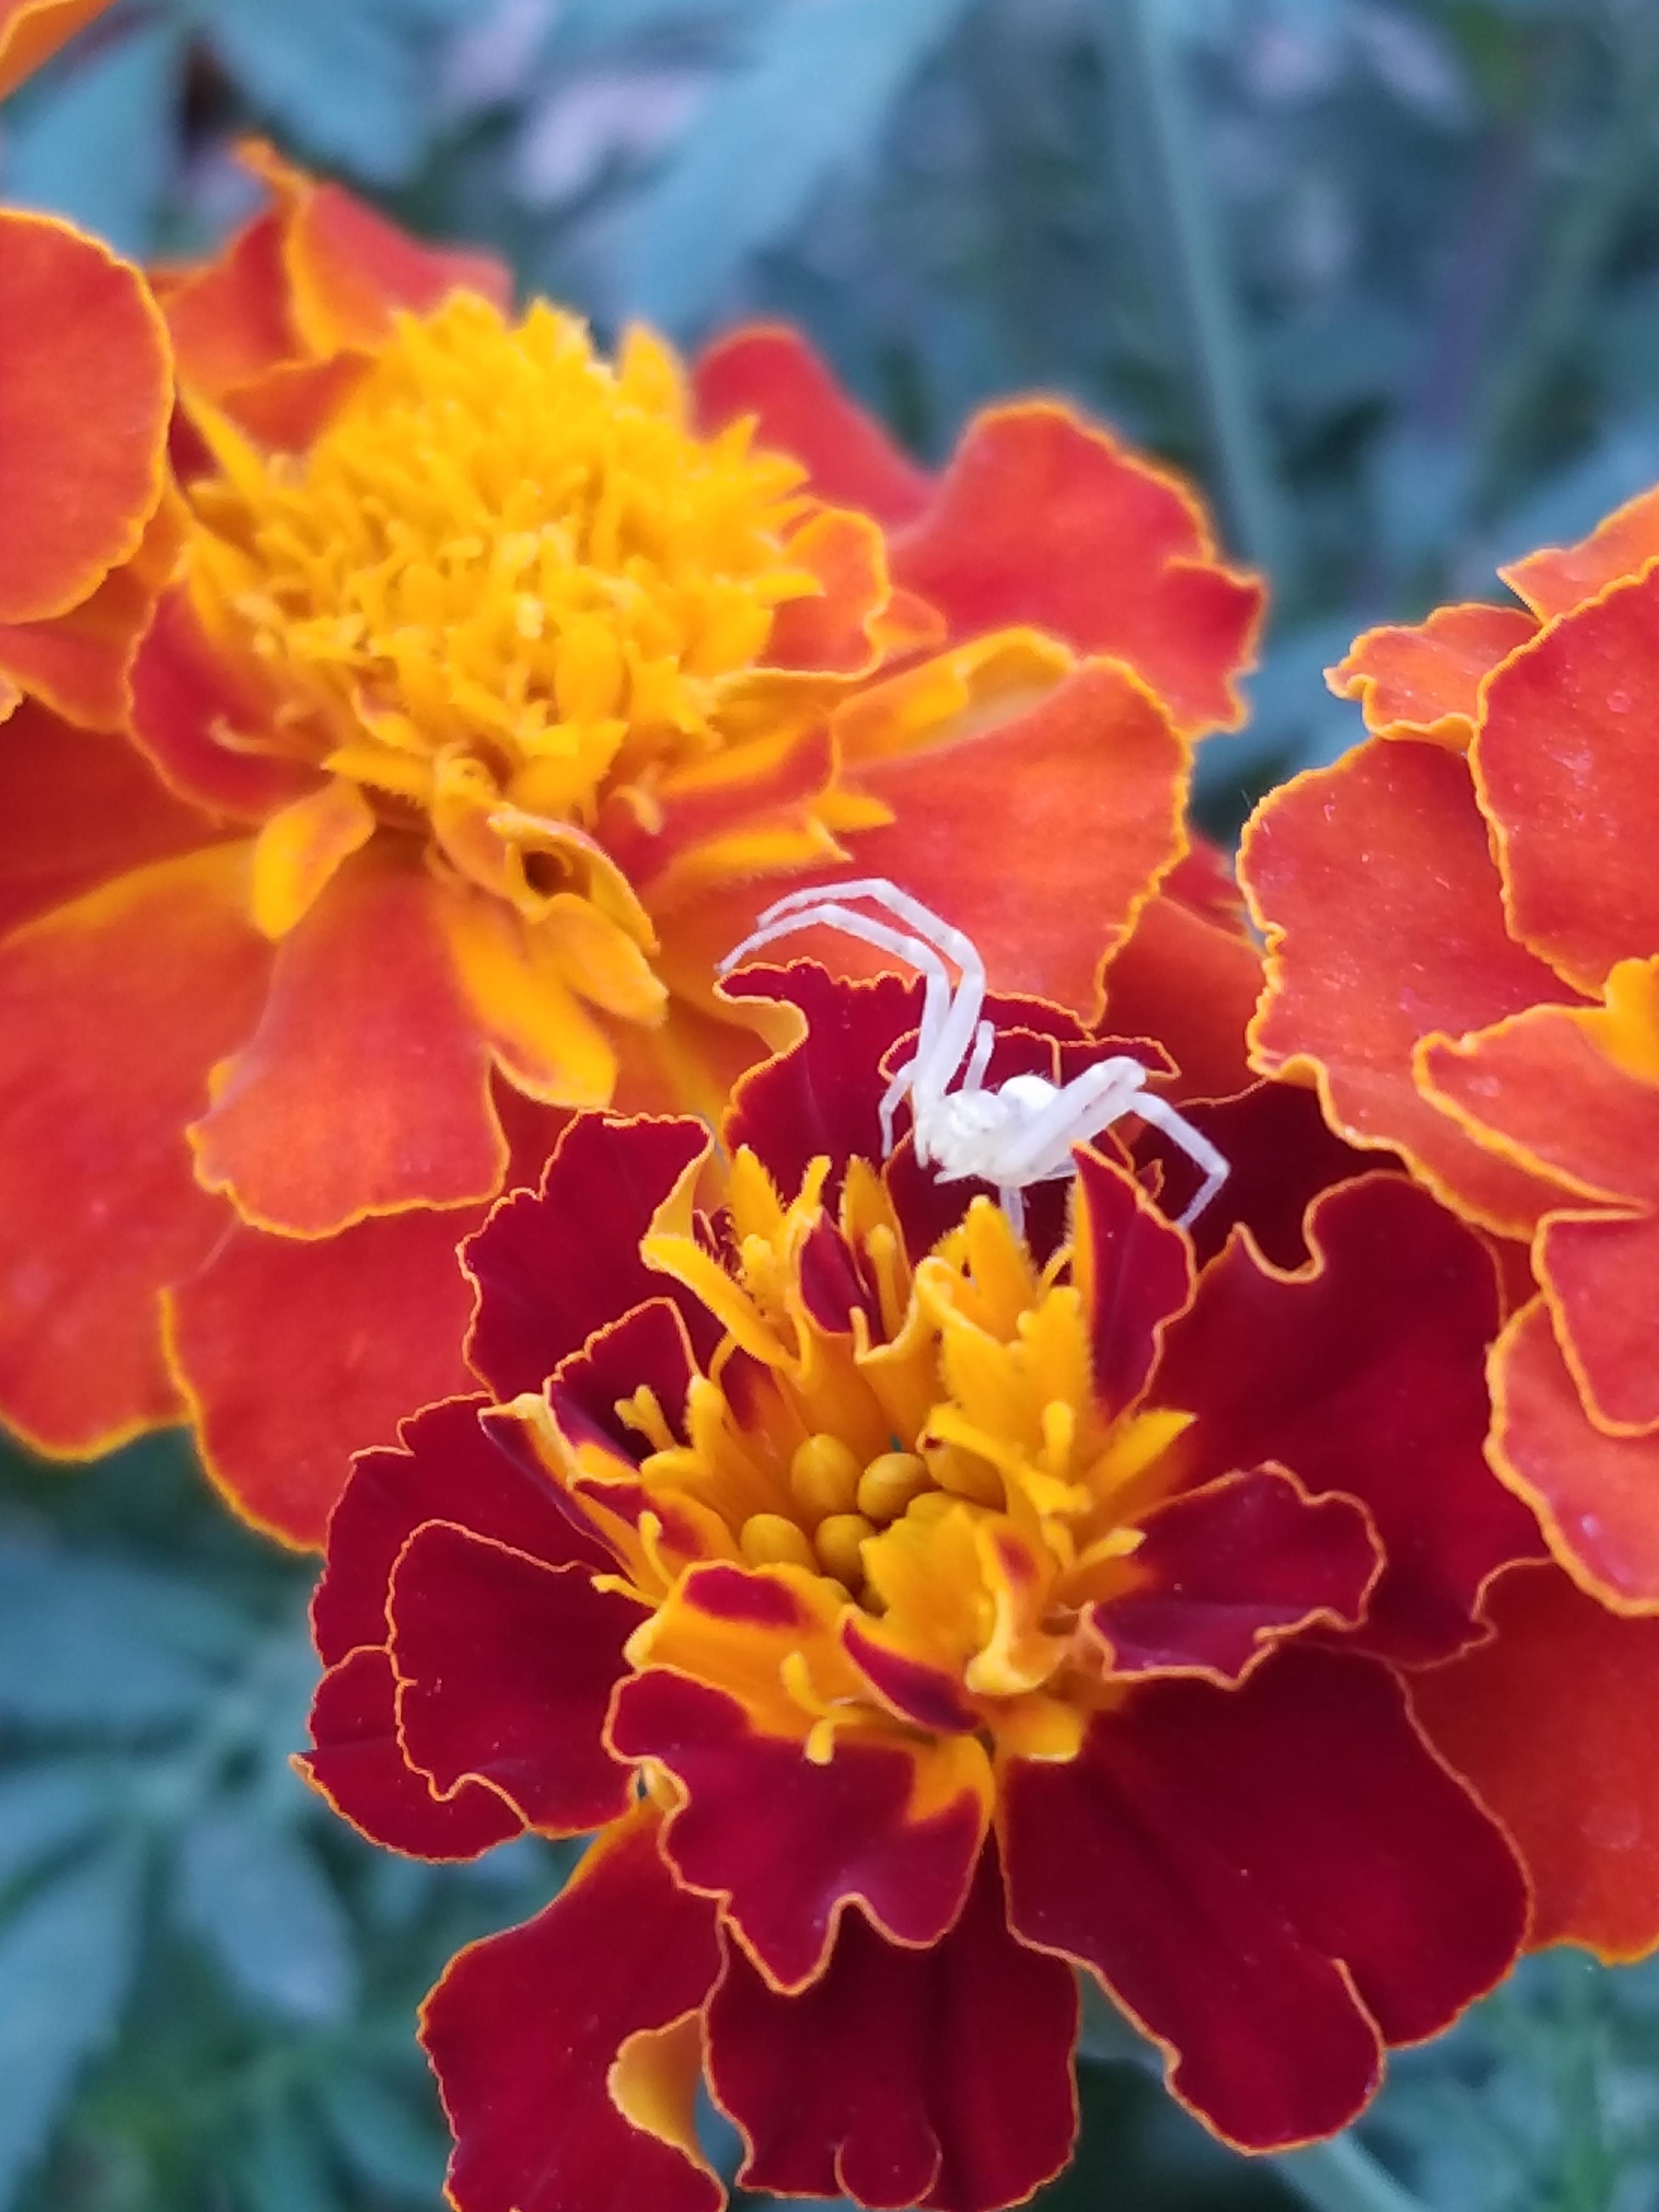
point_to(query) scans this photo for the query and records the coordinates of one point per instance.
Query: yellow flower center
(943, 1460)
(506, 579)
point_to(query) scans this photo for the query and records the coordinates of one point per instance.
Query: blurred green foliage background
(1385, 276)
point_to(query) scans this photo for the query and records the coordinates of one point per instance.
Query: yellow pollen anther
(823, 1477)
(767, 1539)
(839, 1543)
(888, 1485)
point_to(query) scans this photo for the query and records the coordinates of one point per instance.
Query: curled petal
(1134, 1273)
(1422, 679)
(1560, 577)
(1552, 1723)
(113, 1010)
(1275, 1879)
(1373, 881)
(32, 31)
(1189, 974)
(895, 1826)
(1362, 1374)
(939, 2078)
(531, 2034)
(301, 849)
(357, 1764)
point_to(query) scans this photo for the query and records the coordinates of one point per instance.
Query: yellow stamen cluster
(505, 578)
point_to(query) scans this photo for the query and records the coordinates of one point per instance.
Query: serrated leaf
(66, 1961)
(47, 1808)
(809, 104)
(97, 143)
(100, 1644)
(258, 1897)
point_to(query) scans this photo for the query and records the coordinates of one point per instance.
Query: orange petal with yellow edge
(194, 709)
(84, 401)
(1560, 577)
(1552, 1724)
(1422, 679)
(230, 319)
(1043, 517)
(544, 1039)
(32, 31)
(1373, 883)
(1564, 760)
(1189, 974)
(365, 1088)
(113, 1010)
(301, 849)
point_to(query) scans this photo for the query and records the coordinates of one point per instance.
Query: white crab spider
(1022, 1132)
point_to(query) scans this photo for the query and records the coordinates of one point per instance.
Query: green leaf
(352, 82)
(379, 2137)
(47, 1809)
(66, 1963)
(286, 2167)
(97, 143)
(258, 1897)
(100, 1644)
(809, 106)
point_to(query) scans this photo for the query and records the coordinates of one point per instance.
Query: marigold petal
(1223, 1573)
(545, 1042)
(1373, 882)
(525, 1714)
(1189, 974)
(282, 1349)
(1362, 1374)
(1134, 1273)
(356, 1762)
(302, 847)
(113, 1010)
(85, 393)
(447, 1464)
(1563, 761)
(551, 1266)
(1560, 577)
(938, 2077)
(893, 1826)
(1594, 1491)
(527, 2031)
(1422, 679)
(1552, 1723)
(1042, 518)
(774, 376)
(365, 1089)
(32, 31)
(1274, 1880)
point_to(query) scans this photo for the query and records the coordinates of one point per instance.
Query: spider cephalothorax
(1013, 1133)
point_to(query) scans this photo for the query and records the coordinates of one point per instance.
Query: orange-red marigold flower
(497, 687)
(921, 1611)
(1463, 923)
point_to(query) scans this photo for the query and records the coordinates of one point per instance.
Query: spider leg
(1011, 1200)
(985, 1038)
(937, 1000)
(1090, 1101)
(939, 1056)
(1199, 1149)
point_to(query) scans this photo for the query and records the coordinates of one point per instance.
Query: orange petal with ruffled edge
(195, 711)
(771, 373)
(32, 31)
(113, 1010)
(1564, 762)
(1042, 518)
(85, 395)
(1560, 577)
(1189, 974)
(1373, 883)
(229, 317)
(1422, 679)
(75, 809)
(1574, 1091)
(531, 2034)
(1552, 1724)
(1593, 1493)
(365, 1089)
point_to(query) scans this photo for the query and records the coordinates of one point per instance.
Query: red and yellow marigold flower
(497, 687)
(88, 525)
(921, 1612)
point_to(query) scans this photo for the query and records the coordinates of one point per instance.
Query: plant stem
(1191, 253)
(1339, 2176)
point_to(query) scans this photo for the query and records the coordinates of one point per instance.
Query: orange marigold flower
(922, 1610)
(501, 683)
(89, 526)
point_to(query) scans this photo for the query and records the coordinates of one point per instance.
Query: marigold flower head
(922, 1610)
(1462, 918)
(493, 689)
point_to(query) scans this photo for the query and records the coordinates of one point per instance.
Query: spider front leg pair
(1022, 1131)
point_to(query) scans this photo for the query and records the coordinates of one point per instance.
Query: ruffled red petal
(1373, 881)
(1553, 1722)
(1560, 577)
(1363, 1375)
(939, 2078)
(525, 1713)
(525, 2030)
(1276, 1880)
(357, 1764)
(1134, 1275)
(1422, 679)
(1190, 978)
